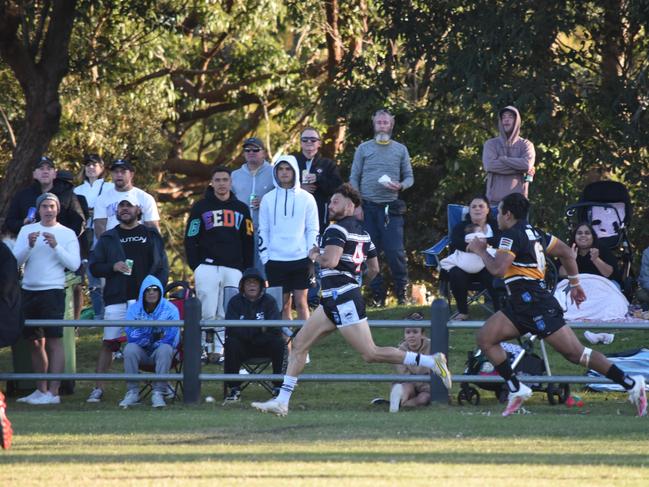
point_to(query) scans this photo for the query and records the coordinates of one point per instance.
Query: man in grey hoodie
(508, 159)
(251, 182)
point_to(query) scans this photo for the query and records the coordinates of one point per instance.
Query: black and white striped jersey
(357, 247)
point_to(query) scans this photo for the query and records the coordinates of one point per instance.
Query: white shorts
(116, 312)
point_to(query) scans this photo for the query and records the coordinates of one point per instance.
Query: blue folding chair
(432, 256)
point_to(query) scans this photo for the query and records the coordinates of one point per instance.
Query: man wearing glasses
(320, 177)
(381, 169)
(250, 183)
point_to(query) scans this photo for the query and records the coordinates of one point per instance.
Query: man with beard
(124, 256)
(122, 173)
(381, 169)
(508, 159)
(346, 247)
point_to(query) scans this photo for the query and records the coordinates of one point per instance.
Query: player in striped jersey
(346, 246)
(530, 308)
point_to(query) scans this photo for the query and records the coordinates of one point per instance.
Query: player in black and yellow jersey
(531, 308)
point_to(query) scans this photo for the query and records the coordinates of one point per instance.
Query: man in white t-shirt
(122, 173)
(47, 249)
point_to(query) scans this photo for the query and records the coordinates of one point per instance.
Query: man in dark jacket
(252, 303)
(124, 256)
(23, 204)
(320, 177)
(218, 245)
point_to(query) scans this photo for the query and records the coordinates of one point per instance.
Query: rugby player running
(346, 247)
(531, 308)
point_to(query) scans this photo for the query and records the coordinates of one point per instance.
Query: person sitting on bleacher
(150, 345)
(460, 279)
(252, 303)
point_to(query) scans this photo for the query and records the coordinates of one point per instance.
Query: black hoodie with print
(219, 233)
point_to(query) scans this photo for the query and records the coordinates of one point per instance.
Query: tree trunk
(39, 68)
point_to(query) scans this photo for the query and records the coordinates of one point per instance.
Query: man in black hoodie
(252, 303)
(22, 209)
(218, 245)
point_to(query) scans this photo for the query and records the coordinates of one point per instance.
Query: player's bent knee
(585, 357)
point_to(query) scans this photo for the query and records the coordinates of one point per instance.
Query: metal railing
(192, 376)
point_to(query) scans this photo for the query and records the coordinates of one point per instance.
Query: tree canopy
(179, 85)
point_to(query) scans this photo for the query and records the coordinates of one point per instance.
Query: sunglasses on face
(250, 149)
(150, 289)
(309, 139)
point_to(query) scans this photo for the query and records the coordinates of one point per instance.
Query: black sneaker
(233, 396)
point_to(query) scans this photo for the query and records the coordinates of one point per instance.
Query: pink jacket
(506, 161)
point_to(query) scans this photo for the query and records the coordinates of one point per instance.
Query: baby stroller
(606, 206)
(524, 362)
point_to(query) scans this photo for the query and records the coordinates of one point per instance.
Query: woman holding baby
(467, 269)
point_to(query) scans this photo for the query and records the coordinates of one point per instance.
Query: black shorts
(346, 309)
(291, 274)
(43, 305)
(532, 309)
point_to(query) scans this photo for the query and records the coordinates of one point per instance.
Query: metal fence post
(192, 352)
(439, 315)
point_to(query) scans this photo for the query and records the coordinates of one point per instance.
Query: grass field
(332, 436)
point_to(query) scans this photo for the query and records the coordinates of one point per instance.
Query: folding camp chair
(177, 292)
(255, 365)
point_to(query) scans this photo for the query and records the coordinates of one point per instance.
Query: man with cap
(288, 229)
(47, 249)
(251, 182)
(22, 209)
(105, 210)
(508, 159)
(124, 256)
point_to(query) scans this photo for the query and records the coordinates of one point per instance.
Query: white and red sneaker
(638, 395)
(516, 399)
(6, 433)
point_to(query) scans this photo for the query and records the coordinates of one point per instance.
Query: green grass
(332, 436)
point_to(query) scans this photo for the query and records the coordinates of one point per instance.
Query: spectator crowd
(253, 227)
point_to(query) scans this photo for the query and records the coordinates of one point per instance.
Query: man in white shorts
(124, 256)
(346, 247)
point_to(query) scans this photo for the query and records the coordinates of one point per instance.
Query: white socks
(287, 388)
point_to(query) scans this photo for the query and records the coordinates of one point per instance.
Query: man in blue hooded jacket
(150, 345)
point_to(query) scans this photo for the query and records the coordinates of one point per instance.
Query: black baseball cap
(123, 164)
(254, 141)
(44, 160)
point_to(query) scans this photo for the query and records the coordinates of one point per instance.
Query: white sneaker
(441, 370)
(169, 392)
(158, 400)
(131, 398)
(95, 395)
(45, 398)
(516, 399)
(395, 398)
(31, 396)
(271, 406)
(638, 395)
